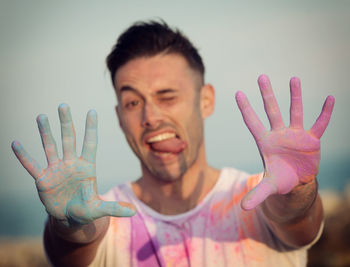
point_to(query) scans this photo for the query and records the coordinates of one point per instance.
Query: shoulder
(232, 186)
(239, 180)
(120, 192)
(114, 249)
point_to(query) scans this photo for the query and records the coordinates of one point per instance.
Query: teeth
(161, 137)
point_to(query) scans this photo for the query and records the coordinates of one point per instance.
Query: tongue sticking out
(173, 145)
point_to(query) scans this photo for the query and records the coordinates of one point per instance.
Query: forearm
(73, 247)
(297, 216)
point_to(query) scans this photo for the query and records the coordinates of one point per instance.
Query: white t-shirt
(217, 232)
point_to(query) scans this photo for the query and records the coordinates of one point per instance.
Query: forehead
(162, 71)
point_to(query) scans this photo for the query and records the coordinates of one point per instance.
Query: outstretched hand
(67, 187)
(290, 155)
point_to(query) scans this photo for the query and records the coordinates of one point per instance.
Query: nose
(151, 116)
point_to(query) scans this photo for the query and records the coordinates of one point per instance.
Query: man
(187, 213)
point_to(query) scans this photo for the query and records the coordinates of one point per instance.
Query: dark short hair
(144, 39)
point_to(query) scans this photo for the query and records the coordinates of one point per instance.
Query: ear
(119, 118)
(207, 96)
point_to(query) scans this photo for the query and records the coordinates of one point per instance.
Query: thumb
(258, 194)
(115, 209)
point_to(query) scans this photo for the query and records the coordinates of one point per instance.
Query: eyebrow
(165, 91)
(127, 88)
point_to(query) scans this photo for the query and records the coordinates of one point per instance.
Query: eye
(167, 98)
(167, 101)
(132, 104)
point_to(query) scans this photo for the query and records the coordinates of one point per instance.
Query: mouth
(166, 143)
(161, 137)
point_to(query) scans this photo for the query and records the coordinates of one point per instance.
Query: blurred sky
(54, 51)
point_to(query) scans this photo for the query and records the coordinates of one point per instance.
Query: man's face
(160, 113)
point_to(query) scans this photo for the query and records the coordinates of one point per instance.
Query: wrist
(60, 227)
(293, 206)
(77, 233)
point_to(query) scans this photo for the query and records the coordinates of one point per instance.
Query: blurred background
(54, 52)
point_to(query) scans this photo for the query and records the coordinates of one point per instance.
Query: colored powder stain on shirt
(177, 256)
(215, 233)
(219, 209)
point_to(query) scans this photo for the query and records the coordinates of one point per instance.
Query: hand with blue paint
(67, 187)
(291, 155)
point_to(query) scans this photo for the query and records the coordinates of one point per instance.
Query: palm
(290, 155)
(295, 150)
(67, 187)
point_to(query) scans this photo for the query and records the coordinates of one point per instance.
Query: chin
(167, 175)
(168, 170)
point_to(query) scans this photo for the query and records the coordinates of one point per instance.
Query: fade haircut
(146, 39)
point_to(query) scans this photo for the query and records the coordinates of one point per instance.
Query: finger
(258, 194)
(270, 103)
(250, 118)
(90, 138)
(115, 209)
(322, 121)
(279, 178)
(26, 160)
(67, 132)
(47, 139)
(296, 105)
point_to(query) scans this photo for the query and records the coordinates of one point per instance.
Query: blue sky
(54, 52)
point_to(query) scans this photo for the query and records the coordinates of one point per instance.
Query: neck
(177, 196)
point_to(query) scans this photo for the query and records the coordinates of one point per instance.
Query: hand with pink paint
(290, 155)
(67, 187)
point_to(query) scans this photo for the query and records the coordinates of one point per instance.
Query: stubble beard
(163, 174)
(185, 162)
